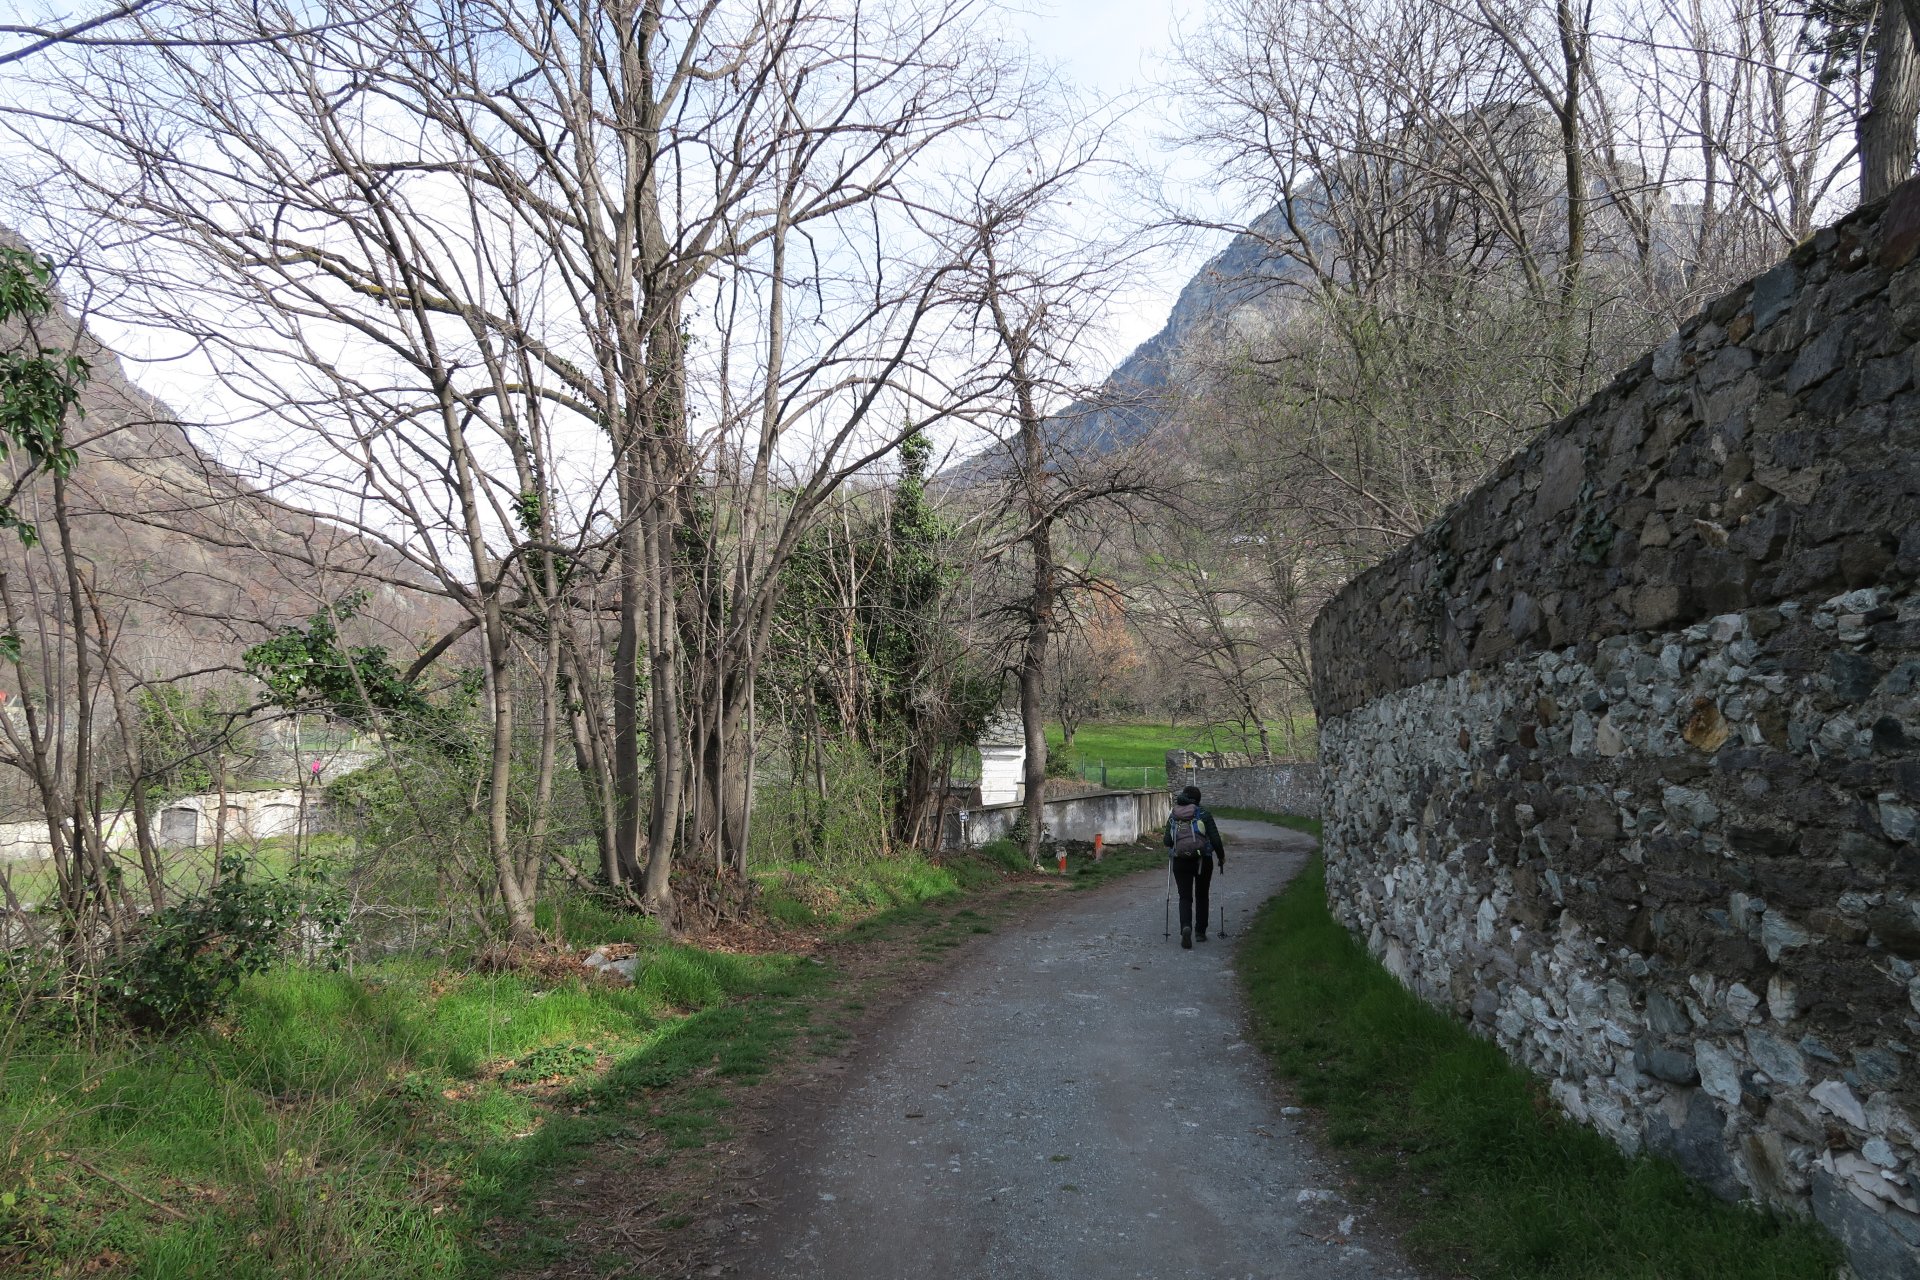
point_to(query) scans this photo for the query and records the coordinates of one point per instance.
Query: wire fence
(1125, 776)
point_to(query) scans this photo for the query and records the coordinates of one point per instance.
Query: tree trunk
(1033, 658)
(88, 845)
(628, 783)
(590, 759)
(1886, 131)
(546, 767)
(1573, 53)
(733, 775)
(1032, 719)
(663, 703)
(127, 721)
(513, 889)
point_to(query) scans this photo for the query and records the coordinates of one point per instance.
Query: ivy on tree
(39, 386)
(308, 668)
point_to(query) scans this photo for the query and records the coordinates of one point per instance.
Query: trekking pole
(1223, 903)
(1166, 908)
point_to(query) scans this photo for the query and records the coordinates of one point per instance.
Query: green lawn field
(1133, 750)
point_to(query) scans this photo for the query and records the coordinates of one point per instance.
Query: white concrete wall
(1121, 817)
(251, 815)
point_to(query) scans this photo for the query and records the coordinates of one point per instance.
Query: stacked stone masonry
(1621, 757)
(1238, 781)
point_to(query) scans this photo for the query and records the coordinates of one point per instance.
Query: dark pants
(1192, 876)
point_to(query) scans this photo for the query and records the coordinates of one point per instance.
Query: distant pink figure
(314, 769)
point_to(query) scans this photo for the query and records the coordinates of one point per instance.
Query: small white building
(250, 815)
(1003, 760)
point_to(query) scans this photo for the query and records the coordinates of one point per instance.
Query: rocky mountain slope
(1240, 286)
(191, 562)
(1237, 286)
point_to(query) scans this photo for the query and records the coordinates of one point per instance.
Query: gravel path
(1074, 1099)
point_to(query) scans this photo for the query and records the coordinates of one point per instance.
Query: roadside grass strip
(1120, 860)
(404, 1120)
(1129, 745)
(1465, 1150)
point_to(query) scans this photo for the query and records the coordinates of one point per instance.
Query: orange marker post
(1063, 862)
(1099, 845)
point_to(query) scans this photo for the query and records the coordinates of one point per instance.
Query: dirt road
(1075, 1099)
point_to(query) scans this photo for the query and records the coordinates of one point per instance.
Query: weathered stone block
(1698, 1144)
(1880, 1244)
(1671, 1065)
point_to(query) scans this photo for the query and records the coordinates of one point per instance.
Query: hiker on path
(1194, 839)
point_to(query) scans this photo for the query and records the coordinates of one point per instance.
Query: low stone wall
(185, 823)
(1283, 786)
(1121, 817)
(1622, 756)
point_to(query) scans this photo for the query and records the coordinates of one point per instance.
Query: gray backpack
(1189, 825)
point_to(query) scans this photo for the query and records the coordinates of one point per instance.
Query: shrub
(846, 826)
(1005, 853)
(186, 961)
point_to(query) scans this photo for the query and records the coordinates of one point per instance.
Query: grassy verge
(403, 1120)
(1464, 1148)
(1131, 745)
(187, 871)
(809, 895)
(1120, 861)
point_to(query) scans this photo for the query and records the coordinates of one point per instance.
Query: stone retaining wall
(1622, 756)
(1118, 817)
(1239, 782)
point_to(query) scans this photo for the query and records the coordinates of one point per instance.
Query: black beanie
(1190, 795)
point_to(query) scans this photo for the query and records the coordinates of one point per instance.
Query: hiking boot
(1200, 935)
(1186, 939)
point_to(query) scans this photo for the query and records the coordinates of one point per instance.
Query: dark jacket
(1186, 812)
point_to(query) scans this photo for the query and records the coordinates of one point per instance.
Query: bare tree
(1886, 130)
(37, 37)
(55, 638)
(638, 281)
(1036, 291)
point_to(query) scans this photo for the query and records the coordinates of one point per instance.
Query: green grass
(805, 894)
(1082, 870)
(1466, 1149)
(364, 1125)
(1136, 743)
(1124, 744)
(187, 870)
(1121, 860)
(385, 1123)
